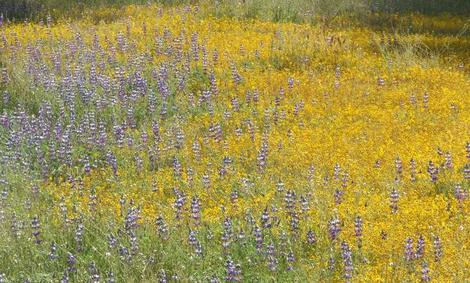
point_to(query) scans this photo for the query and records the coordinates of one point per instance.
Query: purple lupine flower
(311, 237)
(163, 278)
(426, 100)
(433, 171)
(79, 236)
(280, 186)
(134, 242)
(111, 159)
(53, 252)
(358, 230)
(162, 228)
(93, 201)
(466, 171)
(36, 227)
(110, 277)
(227, 233)
(179, 203)
(290, 260)
(15, 226)
(331, 263)
(294, 223)
(467, 149)
(460, 194)
(215, 57)
(290, 200)
(305, 205)
(93, 272)
(198, 249)
(6, 97)
(272, 259)
(409, 253)
(448, 164)
(258, 238)
(233, 271)
(139, 163)
(218, 135)
(437, 244)
(195, 46)
(236, 77)
(196, 150)
(425, 273)
(71, 263)
(234, 197)
(334, 228)
(177, 168)
(412, 170)
(132, 216)
(338, 196)
(86, 166)
(65, 277)
(336, 171)
(179, 138)
(124, 253)
(399, 166)
(112, 241)
(265, 219)
(213, 83)
(290, 82)
(420, 247)
(190, 177)
(394, 196)
(192, 237)
(204, 59)
(206, 182)
(63, 209)
(346, 254)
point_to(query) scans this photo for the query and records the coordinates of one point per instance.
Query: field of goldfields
(215, 142)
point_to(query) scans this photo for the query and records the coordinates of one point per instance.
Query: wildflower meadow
(221, 142)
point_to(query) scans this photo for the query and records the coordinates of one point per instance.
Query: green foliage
(275, 10)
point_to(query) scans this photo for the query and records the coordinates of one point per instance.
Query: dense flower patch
(174, 146)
